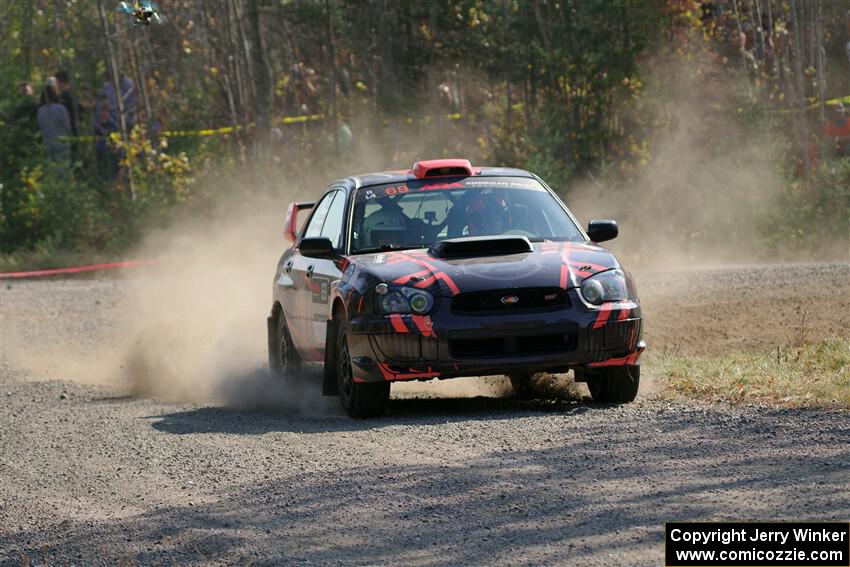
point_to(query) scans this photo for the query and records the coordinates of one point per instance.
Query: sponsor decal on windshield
(420, 186)
(517, 183)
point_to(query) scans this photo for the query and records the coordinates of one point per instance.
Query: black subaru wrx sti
(448, 270)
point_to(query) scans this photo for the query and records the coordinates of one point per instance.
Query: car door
(326, 271)
(298, 300)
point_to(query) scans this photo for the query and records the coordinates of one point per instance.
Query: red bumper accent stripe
(424, 324)
(390, 375)
(398, 324)
(627, 360)
(604, 313)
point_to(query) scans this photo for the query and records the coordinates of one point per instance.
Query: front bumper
(445, 345)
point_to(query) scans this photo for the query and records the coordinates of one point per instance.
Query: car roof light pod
(441, 167)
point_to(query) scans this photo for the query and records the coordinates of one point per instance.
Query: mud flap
(329, 382)
(271, 331)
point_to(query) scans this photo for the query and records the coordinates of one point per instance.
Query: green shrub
(813, 214)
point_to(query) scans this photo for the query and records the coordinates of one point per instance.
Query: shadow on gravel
(599, 494)
(407, 411)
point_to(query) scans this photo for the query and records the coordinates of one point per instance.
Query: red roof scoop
(441, 167)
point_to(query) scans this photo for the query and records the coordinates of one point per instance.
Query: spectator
(305, 89)
(27, 109)
(21, 126)
(69, 101)
(128, 100)
(54, 124)
(345, 136)
(838, 130)
(104, 125)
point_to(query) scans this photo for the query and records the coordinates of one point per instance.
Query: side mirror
(317, 247)
(602, 230)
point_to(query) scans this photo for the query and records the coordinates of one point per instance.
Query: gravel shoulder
(90, 475)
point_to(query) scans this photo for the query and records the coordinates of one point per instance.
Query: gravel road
(90, 475)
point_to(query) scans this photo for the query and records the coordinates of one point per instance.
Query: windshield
(417, 213)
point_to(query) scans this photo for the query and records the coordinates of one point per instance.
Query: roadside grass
(809, 375)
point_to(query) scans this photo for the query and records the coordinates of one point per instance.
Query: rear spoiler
(291, 223)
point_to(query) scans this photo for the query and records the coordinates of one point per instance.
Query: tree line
(556, 85)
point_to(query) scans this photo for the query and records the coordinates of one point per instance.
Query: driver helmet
(487, 214)
(387, 225)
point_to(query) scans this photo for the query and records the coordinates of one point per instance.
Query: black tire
(284, 359)
(614, 385)
(358, 399)
(522, 386)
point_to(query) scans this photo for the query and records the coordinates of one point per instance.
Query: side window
(334, 219)
(314, 228)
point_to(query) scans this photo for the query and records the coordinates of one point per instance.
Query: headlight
(395, 302)
(406, 300)
(420, 303)
(605, 286)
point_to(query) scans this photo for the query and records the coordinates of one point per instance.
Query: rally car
(450, 270)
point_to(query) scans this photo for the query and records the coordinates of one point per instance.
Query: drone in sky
(144, 12)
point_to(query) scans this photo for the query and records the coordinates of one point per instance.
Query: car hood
(551, 264)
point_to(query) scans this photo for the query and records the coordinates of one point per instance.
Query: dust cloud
(197, 325)
(485, 386)
(708, 182)
(197, 319)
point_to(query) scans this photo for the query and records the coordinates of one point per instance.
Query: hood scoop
(475, 246)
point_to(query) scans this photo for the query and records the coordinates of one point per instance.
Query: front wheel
(358, 399)
(615, 384)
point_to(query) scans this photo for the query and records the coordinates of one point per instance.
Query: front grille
(523, 300)
(509, 346)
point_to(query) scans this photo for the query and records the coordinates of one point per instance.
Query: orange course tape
(76, 270)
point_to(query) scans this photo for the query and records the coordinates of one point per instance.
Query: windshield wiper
(386, 248)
